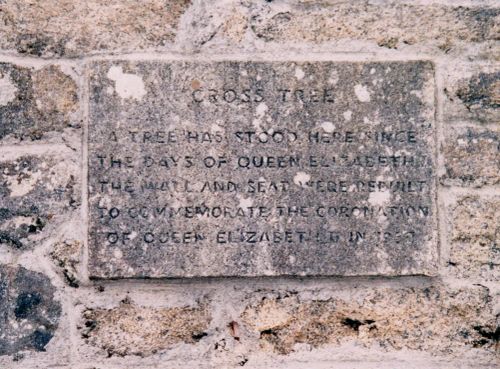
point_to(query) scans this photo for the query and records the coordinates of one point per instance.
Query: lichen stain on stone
(127, 85)
(427, 319)
(328, 127)
(362, 93)
(379, 198)
(301, 179)
(130, 329)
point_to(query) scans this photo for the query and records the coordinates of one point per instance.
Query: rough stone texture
(389, 23)
(29, 314)
(434, 319)
(472, 93)
(475, 238)
(135, 330)
(53, 50)
(35, 102)
(472, 157)
(72, 28)
(396, 221)
(36, 194)
(67, 256)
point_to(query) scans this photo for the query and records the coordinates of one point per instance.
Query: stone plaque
(261, 169)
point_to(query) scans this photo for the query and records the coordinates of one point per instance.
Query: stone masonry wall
(53, 316)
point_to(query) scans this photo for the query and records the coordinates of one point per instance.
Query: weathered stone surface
(434, 319)
(475, 238)
(481, 92)
(35, 194)
(304, 211)
(440, 25)
(130, 329)
(34, 102)
(67, 256)
(73, 28)
(473, 93)
(472, 157)
(324, 177)
(29, 314)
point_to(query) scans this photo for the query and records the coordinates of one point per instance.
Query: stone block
(472, 94)
(435, 320)
(130, 329)
(261, 168)
(475, 238)
(67, 28)
(471, 157)
(439, 25)
(35, 102)
(37, 193)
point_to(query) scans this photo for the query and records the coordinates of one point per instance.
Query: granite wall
(52, 315)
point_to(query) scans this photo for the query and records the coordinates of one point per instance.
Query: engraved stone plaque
(239, 168)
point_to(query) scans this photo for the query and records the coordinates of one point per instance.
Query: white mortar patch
(362, 93)
(8, 91)
(127, 85)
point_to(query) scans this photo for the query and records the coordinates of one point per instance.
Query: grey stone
(471, 157)
(482, 92)
(472, 94)
(35, 194)
(261, 168)
(35, 102)
(29, 313)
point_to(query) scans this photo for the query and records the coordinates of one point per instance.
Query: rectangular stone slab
(243, 168)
